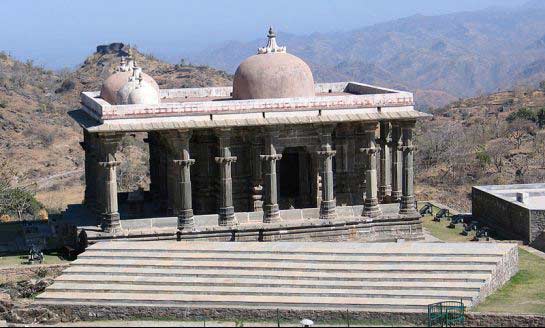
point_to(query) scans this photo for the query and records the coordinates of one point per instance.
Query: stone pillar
(225, 160)
(397, 167)
(109, 144)
(171, 173)
(91, 157)
(257, 178)
(385, 189)
(162, 173)
(370, 205)
(154, 164)
(360, 163)
(407, 205)
(271, 211)
(178, 142)
(326, 153)
(317, 181)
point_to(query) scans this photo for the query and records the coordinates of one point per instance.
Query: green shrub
(523, 114)
(19, 202)
(541, 117)
(483, 157)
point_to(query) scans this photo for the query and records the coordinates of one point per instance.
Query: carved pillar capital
(326, 153)
(369, 150)
(109, 164)
(275, 157)
(183, 162)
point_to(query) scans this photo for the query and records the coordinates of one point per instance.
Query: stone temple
(271, 156)
(322, 172)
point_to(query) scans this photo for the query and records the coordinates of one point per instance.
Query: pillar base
(110, 223)
(407, 205)
(371, 208)
(226, 216)
(271, 213)
(385, 193)
(186, 220)
(327, 209)
(396, 196)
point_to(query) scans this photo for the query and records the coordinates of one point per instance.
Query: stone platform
(118, 279)
(295, 225)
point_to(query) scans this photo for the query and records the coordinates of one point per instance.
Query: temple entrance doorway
(294, 178)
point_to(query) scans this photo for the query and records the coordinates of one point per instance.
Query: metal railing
(446, 314)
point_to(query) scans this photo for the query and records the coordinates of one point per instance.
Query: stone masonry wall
(537, 229)
(503, 272)
(473, 319)
(507, 219)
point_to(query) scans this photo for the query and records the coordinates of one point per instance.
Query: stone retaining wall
(23, 272)
(475, 319)
(503, 272)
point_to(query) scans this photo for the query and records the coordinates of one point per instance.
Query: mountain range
(440, 58)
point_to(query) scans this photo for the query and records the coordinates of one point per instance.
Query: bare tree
(498, 150)
(519, 129)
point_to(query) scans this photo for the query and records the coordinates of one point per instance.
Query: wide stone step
(278, 291)
(259, 301)
(295, 258)
(378, 249)
(278, 253)
(274, 274)
(239, 281)
(285, 266)
(152, 278)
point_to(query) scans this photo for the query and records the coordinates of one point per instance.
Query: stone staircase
(385, 277)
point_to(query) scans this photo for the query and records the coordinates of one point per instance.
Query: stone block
(167, 222)
(291, 215)
(344, 211)
(311, 213)
(254, 217)
(206, 220)
(242, 217)
(136, 224)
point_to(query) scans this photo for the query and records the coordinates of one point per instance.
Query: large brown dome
(273, 73)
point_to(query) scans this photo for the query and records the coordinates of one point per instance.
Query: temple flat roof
(535, 192)
(214, 107)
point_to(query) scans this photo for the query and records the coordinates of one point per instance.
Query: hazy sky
(58, 33)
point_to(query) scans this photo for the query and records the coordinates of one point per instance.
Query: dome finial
(271, 47)
(123, 67)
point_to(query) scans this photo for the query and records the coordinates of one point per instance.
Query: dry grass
(57, 200)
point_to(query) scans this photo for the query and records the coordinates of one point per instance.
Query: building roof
(534, 194)
(215, 107)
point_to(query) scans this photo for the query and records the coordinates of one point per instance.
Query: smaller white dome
(144, 94)
(125, 91)
(117, 88)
